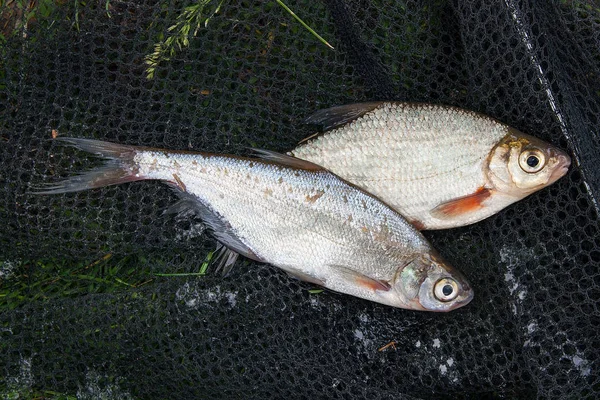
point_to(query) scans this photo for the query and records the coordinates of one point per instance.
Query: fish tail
(119, 167)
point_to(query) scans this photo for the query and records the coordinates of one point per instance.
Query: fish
(440, 167)
(292, 214)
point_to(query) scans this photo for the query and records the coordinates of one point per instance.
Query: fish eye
(532, 161)
(446, 289)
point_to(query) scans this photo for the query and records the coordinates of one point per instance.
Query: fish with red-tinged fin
(441, 167)
(292, 214)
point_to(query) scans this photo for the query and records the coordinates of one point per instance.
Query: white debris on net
(368, 336)
(7, 268)
(99, 387)
(20, 384)
(196, 230)
(330, 303)
(512, 258)
(193, 297)
(532, 327)
(582, 365)
(448, 369)
(578, 360)
(231, 298)
(314, 302)
(438, 359)
(367, 343)
(187, 295)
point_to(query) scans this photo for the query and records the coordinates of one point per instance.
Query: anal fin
(219, 227)
(462, 205)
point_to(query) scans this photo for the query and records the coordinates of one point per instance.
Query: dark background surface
(248, 79)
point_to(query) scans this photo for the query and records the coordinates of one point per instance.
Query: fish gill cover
(84, 309)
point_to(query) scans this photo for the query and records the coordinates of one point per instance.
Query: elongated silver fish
(440, 167)
(295, 215)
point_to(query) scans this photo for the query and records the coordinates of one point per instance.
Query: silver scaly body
(294, 215)
(416, 157)
(305, 222)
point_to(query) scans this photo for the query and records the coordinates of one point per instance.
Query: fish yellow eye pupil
(447, 290)
(533, 161)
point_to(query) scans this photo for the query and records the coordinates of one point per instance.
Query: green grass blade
(304, 24)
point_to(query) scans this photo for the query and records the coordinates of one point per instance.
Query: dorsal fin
(286, 160)
(330, 118)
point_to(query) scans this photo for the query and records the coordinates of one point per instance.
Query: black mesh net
(83, 312)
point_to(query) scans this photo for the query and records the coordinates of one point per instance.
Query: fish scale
(294, 215)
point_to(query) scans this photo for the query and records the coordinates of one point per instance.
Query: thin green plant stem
(282, 4)
(183, 274)
(202, 272)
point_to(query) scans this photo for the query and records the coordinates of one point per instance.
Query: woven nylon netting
(248, 79)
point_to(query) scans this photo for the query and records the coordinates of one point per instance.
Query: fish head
(428, 283)
(521, 164)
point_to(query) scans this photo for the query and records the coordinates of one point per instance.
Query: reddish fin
(365, 281)
(462, 205)
(289, 161)
(420, 226)
(373, 283)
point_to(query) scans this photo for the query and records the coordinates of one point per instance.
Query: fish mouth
(467, 294)
(462, 302)
(562, 166)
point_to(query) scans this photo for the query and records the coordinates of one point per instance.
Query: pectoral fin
(373, 284)
(462, 205)
(362, 280)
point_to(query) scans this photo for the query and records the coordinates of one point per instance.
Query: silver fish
(440, 167)
(295, 215)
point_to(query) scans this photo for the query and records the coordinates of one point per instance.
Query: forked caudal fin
(119, 167)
